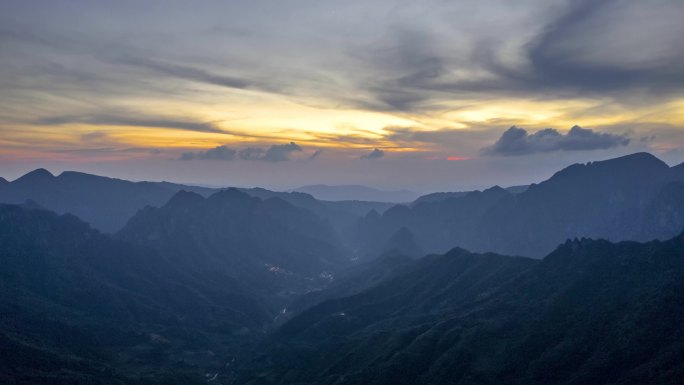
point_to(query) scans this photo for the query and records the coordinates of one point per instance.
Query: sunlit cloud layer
(414, 83)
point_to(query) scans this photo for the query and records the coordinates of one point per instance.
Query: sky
(430, 95)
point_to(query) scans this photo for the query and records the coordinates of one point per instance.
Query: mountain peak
(637, 164)
(230, 195)
(3, 181)
(638, 158)
(38, 174)
(404, 243)
(496, 190)
(184, 198)
(83, 177)
(372, 215)
(628, 166)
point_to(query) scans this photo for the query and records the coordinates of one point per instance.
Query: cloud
(588, 59)
(375, 154)
(583, 49)
(216, 153)
(93, 136)
(275, 153)
(516, 141)
(315, 154)
(251, 153)
(611, 46)
(184, 72)
(140, 121)
(280, 152)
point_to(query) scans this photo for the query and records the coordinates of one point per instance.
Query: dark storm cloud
(516, 141)
(216, 153)
(145, 121)
(375, 154)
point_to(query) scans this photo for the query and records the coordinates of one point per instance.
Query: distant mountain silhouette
(403, 243)
(627, 198)
(440, 196)
(271, 246)
(435, 226)
(357, 192)
(108, 203)
(592, 312)
(341, 214)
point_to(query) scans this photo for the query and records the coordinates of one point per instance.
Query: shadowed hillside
(591, 312)
(80, 307)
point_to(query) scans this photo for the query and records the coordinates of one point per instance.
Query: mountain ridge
(356, 192)
(108, 203)
(612, 199)
(592, 311)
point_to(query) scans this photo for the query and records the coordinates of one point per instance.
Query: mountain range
(269, 245)
(575, 280)
(358, 193)
(628, 198)
(108, 203)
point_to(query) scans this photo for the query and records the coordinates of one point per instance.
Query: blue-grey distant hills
(251, 286)
(108, 203)
(635, 197)
(440, 196)
(358, 193)
(268, 244)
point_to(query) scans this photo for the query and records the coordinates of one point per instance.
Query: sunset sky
(393, 94)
